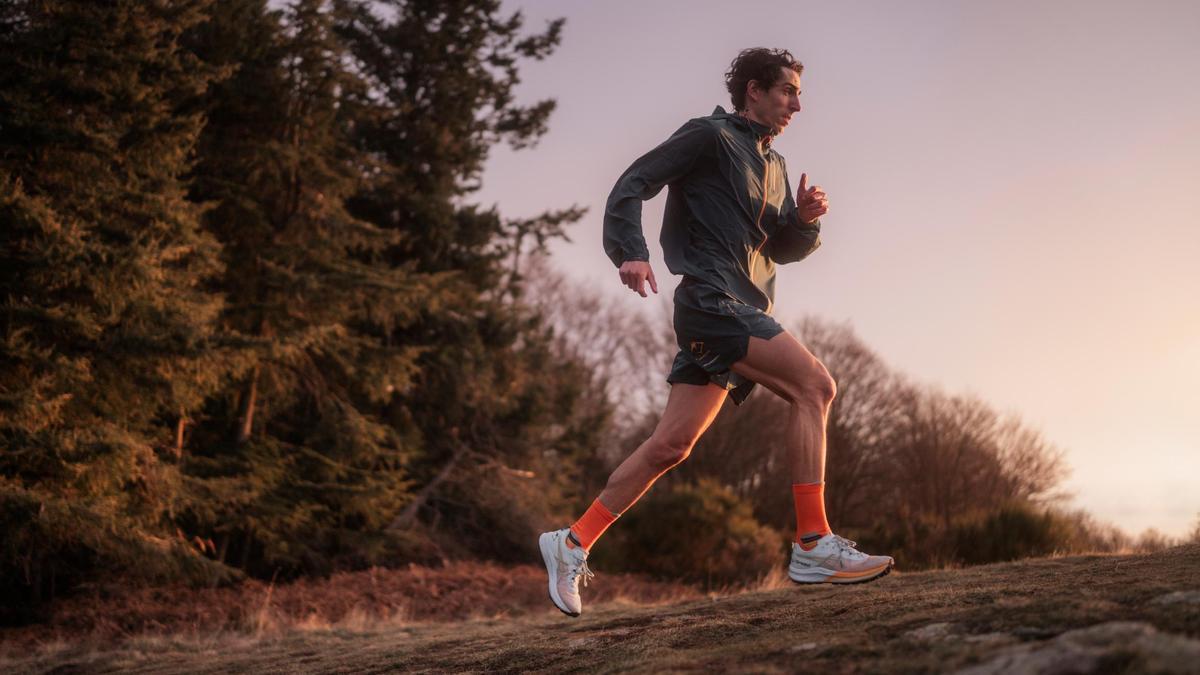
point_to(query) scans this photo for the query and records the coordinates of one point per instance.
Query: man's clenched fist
(811, 202)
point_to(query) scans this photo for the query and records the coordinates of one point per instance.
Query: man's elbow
(795, 251)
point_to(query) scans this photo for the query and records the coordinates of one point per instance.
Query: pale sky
(1014, 191)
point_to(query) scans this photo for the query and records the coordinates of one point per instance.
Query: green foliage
(249, 321)
(496, 398)
(701, 533)
(520, 457)
(293, 469)
(51, 543)
(107, 340)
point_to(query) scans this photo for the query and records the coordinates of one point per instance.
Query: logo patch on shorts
(698, 348)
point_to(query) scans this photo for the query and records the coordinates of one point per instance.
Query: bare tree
(747, 448)
(1033, 468)
(955, 455)
(628, 353)
(862, 428)
(906, 463)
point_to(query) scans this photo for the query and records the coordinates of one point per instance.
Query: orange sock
(591, 525)
(811, 524)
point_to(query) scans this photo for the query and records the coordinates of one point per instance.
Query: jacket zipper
(762, 209)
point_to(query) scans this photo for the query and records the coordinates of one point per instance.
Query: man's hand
(635, 274)
(810, 201)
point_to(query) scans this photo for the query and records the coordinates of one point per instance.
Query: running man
(730, 218)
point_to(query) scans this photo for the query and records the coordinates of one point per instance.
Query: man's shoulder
(717, 119)
(708, 123)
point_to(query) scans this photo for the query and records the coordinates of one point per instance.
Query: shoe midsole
(820, 573)
(551, 570)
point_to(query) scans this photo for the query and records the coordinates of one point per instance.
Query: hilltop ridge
(1080, 614)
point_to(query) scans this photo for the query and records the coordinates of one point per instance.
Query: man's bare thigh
(690, 409)
(781, 364)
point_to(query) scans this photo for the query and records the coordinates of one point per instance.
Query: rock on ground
(1116, 646)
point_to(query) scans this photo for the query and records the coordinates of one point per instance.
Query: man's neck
(765, 140)
(749, 114)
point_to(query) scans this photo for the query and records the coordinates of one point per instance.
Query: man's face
(774, 107)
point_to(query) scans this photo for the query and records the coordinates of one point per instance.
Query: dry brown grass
(351, 601)
(934, 621)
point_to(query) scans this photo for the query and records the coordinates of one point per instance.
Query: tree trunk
(409, 514)
(179, 428)
(246, 423)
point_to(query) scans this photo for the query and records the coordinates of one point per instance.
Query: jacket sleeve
(793, 240)
(644, 179)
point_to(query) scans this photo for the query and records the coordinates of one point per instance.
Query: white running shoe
(565, 567)
(834, 560)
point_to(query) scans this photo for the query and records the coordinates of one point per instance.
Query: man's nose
(794, 104)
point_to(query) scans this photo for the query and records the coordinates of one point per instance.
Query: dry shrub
(1008, 532)
(906, 462)
(701, 533)
(1153, 541)
(1011, 532)
(1193, 537)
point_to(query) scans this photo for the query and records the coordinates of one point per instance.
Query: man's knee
(667, 450)
(813, 385)
(827, 387)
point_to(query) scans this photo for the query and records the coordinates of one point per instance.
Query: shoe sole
(847, 581)
(545, 542)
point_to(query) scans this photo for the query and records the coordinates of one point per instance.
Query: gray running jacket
(720, 226)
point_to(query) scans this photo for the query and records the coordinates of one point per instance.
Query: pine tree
(293, 468)
(279, 345)
(496, 403)
(106, 347)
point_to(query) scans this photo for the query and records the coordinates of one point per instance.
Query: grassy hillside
(1080, 614)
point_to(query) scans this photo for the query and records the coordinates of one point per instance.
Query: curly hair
(757, 64)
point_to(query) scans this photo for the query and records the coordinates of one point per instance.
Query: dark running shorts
(713, 331)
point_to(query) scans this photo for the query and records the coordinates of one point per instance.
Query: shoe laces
(846, 547)
(576, 564)
(580, 571)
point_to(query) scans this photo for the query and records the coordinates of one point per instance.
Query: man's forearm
(623, 238)
(795, 242)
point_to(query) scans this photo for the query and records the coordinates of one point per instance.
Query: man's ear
(753, 90)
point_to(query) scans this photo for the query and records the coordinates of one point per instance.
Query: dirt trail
(1080, 614)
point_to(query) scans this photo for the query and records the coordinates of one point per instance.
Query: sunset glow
(1014, 211)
